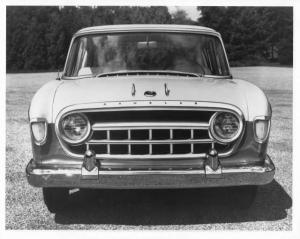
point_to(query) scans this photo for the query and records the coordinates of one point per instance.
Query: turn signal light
(39, 131)
(261, 129)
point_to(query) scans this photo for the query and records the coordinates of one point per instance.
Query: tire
(56, 199)
(242, 197)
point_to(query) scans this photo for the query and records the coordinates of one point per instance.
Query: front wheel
(56, 199)
(243, 196)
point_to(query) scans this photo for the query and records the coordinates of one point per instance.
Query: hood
(118, 88)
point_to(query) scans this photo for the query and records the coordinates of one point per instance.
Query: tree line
(253, 35)
(37, 38)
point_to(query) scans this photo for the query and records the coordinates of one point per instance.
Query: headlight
(74, 128)
(39, 131)
(225, 127)
(261, 128)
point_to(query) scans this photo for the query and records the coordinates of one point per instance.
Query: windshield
(104, 53)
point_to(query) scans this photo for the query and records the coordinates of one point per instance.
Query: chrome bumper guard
(79, 178)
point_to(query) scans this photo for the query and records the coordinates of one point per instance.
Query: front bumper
(74, 178)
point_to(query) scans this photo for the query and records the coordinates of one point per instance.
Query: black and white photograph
(149, 117)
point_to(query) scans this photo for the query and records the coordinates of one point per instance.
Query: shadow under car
(169, 207)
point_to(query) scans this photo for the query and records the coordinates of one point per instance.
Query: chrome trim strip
(66, 172)
(67, 59)
(145, 29)
(151, 172)
(150, 156)
(149, 125)
(149, 105)
(225, 54)
(163, 141)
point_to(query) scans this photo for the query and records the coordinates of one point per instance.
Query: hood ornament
(133, 89)
(149, 93)
(167, 91)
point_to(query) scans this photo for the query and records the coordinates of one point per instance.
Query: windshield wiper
(77, 77)
(218, 76)
(128, 73)
(151, 72)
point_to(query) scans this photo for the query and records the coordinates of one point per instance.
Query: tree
(252, 31)
(142, 15)
(38, 38)
(181, 17)
(279, 21)
(16, 24)
(65, 22)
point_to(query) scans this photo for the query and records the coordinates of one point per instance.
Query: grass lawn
(272, 209)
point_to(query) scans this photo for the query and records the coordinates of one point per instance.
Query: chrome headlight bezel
(41, 121)
(68, 140)
(215, 135)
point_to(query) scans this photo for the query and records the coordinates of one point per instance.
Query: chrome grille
(169, 134)
(149, 138)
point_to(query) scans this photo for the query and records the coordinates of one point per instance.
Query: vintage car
(148, 106)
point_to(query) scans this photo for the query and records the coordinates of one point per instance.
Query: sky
(190, 10)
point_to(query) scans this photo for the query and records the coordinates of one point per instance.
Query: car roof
(147, 28)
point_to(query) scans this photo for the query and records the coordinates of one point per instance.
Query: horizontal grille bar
(149, 157)
(148, 125)
(188, 141)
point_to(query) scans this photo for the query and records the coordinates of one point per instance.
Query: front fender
(42, 102)
(257, 102)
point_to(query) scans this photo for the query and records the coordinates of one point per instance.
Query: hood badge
(149, 93)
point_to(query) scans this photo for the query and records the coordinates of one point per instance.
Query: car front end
(157, 144)
(149, 128)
